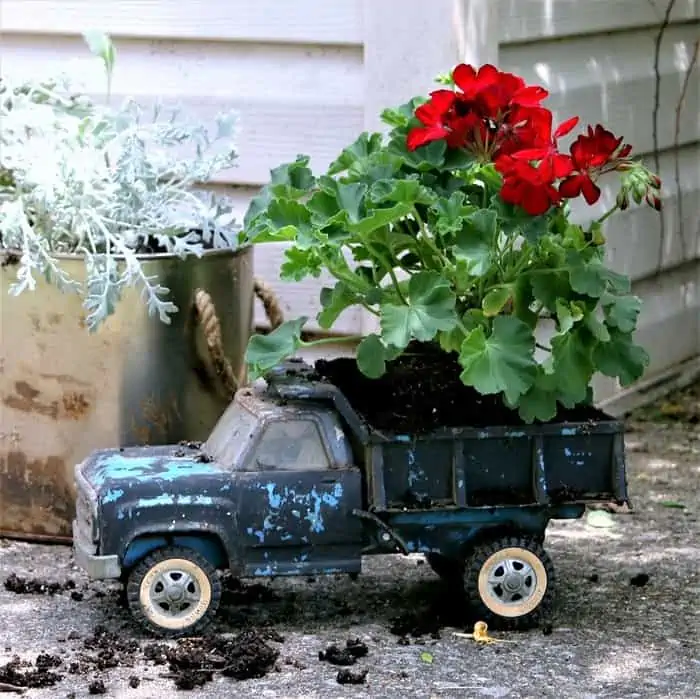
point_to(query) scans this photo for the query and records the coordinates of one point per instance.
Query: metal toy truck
(293, 482)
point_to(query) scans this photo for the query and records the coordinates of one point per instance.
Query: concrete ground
(626, 624)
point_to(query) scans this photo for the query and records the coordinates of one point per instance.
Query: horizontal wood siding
(284, 21)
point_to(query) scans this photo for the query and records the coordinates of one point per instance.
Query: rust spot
(25, 390)
(156, 420)
(25, 399)
(37, 495)
(75, 405)
(54, 318)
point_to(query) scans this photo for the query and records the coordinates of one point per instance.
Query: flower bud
(655, 181)
(623, 199)
(653, 201)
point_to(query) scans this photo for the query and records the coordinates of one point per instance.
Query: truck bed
(543, 464)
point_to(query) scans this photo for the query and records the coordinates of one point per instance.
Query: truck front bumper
(97, 567)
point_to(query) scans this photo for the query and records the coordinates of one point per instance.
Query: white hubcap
(175, 593)
(512, 582)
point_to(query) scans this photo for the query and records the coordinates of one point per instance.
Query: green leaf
(620, 358)
(351, 199)
(427, 657)
(550, 287)
(495, 300)
(423, 159)
(287, 216)
(476, 239)
(621, 311)
(573, 364)
(410, 191)
(451, 213)
(540, 402)
(378, 218)
(593, 278)
(596, 327)
(300, 263)
(371, 357)
(265, 352)
(564, 316)
(502, 361)
(401, 116)
(292, 179)
(364, 146)
(431, 308)
(100, 45)
(334, 301)
(672, 504)
(257, 206)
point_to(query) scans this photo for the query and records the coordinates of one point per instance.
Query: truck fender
(207, 544)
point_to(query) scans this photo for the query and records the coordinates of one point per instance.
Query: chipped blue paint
(142, 464)
(569, 431)
(311, 501)
(515, 434)
(262, 572)
(112, 495)
(567, 451)
(402, 438)
(274, 499)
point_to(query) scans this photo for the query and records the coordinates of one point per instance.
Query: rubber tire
(475, 563)
(139, 572)
(444, 566)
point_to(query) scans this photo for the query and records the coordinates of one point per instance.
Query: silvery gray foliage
(109, 184)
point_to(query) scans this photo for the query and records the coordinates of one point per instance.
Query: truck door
(295, 500)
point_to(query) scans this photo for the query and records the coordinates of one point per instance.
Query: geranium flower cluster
(500, 119)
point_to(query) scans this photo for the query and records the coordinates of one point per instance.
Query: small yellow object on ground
(481, 634)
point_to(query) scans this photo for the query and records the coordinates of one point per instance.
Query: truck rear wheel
(174, 591)
(510, 582)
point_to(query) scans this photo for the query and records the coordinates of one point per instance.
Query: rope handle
(205, 314)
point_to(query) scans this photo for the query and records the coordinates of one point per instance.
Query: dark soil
(194, 661)
(36, 586)
(354, 649)
(97, 687)
(421, 391)
(22, 673)
(350, 677)
(428, 616)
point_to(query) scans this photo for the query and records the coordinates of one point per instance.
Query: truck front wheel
(174, 591)
(510, 582)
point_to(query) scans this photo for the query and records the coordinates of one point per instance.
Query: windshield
(231, 435)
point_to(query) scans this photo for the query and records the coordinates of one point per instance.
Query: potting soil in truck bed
(463, 449)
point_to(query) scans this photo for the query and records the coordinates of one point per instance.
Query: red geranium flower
(592, 154)
(527, 186)
(434, 115)
(555, 163)
(480, 113)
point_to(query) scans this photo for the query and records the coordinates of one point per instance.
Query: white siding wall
(309, 75)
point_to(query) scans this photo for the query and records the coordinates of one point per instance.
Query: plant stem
(332, 340)
(543, 347)
(607, 214)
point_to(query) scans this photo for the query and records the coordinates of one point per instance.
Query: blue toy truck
(293, 482)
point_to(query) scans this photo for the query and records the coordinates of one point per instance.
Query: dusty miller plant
(106, 183)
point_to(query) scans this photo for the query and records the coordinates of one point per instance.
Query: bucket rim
(209, 252)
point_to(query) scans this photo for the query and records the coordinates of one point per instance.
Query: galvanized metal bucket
(65, 392)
